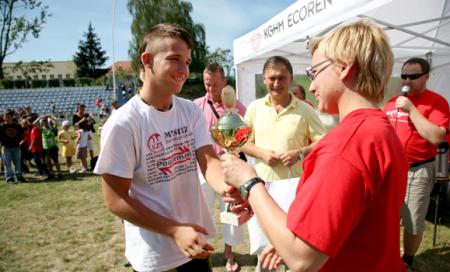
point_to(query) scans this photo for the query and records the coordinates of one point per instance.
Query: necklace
(150, 105)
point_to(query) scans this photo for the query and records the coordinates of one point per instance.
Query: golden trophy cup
(231, 132)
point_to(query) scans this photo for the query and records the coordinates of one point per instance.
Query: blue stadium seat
(65, 98)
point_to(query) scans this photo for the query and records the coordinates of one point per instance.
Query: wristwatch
(245, 188)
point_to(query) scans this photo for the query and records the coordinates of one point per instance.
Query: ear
(147, 59)
(347, 70)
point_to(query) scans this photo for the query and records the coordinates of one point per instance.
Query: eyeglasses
(411, 76)
(312, 73)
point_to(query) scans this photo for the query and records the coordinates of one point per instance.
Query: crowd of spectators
(29, 141)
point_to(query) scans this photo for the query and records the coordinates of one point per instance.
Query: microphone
(405, 90)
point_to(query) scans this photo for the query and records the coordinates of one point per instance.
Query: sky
(224, 21)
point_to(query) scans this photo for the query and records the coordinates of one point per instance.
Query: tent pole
(406, 30)
(425, 21)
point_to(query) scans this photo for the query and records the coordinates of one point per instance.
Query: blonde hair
(366, 45)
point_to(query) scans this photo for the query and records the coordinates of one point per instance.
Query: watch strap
(247, 186)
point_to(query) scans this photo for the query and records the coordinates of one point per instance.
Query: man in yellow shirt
(285, 129)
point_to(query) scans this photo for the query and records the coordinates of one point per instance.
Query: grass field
(64, 226)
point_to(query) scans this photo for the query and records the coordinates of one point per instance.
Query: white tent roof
(416, 28)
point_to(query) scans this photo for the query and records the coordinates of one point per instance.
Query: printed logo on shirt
(165, 164)
(154, 142)
(172, 154)
(400, 115)
(11, 132)
(175, 132)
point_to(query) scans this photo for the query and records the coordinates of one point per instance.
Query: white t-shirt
(83, 136)
(157, 151)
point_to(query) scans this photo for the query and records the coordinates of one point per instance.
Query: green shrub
(69, 82)
(54, 82)
(85, 81)
(20, 84)
(39, 83)
(192, 91)
(6, 84)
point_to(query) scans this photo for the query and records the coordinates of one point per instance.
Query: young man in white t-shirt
(148, 161)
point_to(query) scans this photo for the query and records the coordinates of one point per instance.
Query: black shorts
(51, 153)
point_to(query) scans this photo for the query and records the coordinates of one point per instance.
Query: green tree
(18, 18)
(222, 57)
(33, 68)
(148, 13)
(90, 56)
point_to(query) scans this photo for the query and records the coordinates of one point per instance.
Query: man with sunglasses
(420, 118)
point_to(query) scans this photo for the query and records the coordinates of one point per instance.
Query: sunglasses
(411, 76)
(312, 73)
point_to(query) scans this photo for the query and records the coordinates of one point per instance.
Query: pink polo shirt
(211, 119)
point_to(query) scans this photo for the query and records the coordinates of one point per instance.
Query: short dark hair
(213, 68)
(301, 88)
(9, 112)
(424, 64)
(31, 117)
(275, 60)
(150, 42)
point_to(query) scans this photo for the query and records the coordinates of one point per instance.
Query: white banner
(303, 18)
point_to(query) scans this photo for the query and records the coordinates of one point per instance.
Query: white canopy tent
(416, 28)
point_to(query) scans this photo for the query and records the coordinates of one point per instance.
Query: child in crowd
(36, 147)
(50, 145)
(27, 155)
(83, 136)
(65, 136)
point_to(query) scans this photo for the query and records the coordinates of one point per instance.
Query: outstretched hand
(269, 259)
(189, 239)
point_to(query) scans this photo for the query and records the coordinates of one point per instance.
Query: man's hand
(270, 158)
(188, 239)
(269, 259)
(404, 104)
(289, 157)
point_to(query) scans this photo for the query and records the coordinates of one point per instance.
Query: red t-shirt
(36, 136)
(348, 200)
(26, 136)
(433, 107)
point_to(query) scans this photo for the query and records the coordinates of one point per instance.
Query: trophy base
(235, 219)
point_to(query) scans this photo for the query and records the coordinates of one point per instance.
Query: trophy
(231, 132)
